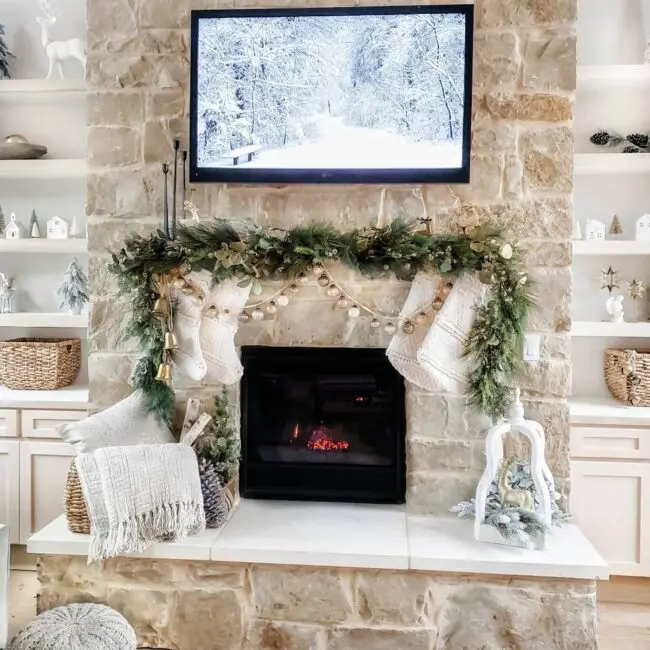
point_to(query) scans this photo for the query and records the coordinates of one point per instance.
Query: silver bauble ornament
(332, 291)
(354, 312)
(318, 269)
(244, 317)
(282, 300)
(446, 289)
(303, 278)
(374, 323)
(294, 288)
(420, 317)
(437, 304)
(257, 314)
(390, 328)
(271, 308)
(408, 327)
(323, 281)
(342, 303)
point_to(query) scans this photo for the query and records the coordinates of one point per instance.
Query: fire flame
(321, 440)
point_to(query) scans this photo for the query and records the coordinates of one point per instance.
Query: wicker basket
(39, 364)
(76, 511)
(627, 373)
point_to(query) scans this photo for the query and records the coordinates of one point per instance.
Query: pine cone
(630, 150)
(214, 500)
(601, 138)
(638, 140)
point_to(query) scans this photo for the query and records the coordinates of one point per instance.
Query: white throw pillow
(123, 424)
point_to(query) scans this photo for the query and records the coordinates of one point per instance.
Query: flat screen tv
(332, 95)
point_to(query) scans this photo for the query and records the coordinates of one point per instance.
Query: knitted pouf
(82, 626)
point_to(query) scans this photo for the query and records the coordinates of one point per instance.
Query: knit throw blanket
(139, 495)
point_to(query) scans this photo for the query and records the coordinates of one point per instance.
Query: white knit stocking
(217, 332)
(403, 348)
(187, 321)
(441, 352)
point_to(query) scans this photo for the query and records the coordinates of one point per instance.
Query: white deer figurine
(59, 51)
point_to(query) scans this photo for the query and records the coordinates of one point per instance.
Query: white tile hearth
(355, 536)
(316, 534)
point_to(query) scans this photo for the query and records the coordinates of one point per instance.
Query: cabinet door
(611, 504)
(43, 470)
(8, 423)
(40, 424)
(9, 488)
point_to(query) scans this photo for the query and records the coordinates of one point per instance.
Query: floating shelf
(598, 77)
(70, 397)
(606, 410)
(43, 168)
(54, 88)
(44, 246)
(43, 320)
(612, 163)
(611, 247)
(612, 330)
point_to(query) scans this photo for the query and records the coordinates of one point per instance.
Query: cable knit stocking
(217, 332)
(403, 348)
(441, 352)
(187, 322)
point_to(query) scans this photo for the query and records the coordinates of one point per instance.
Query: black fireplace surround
(323, 424)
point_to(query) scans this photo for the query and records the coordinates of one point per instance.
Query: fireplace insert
(323, 424)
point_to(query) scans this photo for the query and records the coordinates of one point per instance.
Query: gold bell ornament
(164, 373)
(170, 341)
(162, 307)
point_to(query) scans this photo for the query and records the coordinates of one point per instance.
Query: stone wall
(522, 177)
(183, 605)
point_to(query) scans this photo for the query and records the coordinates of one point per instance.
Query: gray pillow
(125, 423)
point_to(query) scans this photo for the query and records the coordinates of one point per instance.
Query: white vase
(75, 310)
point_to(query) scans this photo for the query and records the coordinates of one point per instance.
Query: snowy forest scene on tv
(376, 91)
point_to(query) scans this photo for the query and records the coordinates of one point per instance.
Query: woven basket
(627, 373)
(76, 511)
(39, 364)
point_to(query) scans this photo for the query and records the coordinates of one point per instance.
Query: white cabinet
(41, 424)
(610, 493)
(611, 504)
(10, 487)
(8, 423)
(43, 470)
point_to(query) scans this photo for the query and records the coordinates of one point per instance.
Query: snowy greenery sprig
(514, 524)
(5, 55)
(494, 341)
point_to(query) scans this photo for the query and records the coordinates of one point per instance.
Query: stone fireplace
(316, 576)
(322, 424)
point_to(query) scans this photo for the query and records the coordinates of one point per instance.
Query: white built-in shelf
(611, 247)
(598, 77)
(607, 329)
(43, 320)
(612, 163)
(44, 246)
(606, 410)
(53, 88)
(43, 168)
(71, 398)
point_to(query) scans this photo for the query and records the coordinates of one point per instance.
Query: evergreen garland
(220, 444)
(514, 524)
(5, 55)
(494, 343)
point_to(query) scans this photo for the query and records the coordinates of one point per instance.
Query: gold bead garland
(345, 301)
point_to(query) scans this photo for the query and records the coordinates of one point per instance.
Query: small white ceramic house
(595, 230)
(58, 228)
(643, 228)
(13, 229)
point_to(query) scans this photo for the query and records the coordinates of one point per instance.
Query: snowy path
(351, 147)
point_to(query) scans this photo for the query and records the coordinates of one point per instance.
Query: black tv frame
(347, 176)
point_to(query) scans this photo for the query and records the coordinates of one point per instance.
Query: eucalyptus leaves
(260, 254)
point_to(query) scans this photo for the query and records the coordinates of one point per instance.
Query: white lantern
(539, 470)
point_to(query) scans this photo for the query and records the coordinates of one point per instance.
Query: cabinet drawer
(9, 423)
(40, 424)
(631, 443)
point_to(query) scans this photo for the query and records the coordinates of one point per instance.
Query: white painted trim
(604, 329)
(44, 246)
(44, 320)
(71, 398)
(44, 168)
(611, 163)
(611, 247)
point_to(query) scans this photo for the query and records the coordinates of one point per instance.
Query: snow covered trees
(74, 289)
(272, 81)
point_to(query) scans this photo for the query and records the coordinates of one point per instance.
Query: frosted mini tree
(5, 55)
(74, 289)
(3, 225)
